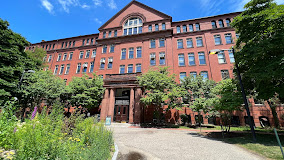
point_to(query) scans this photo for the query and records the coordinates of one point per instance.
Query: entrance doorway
(121, 108)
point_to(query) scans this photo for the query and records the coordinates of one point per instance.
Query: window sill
(223, 63)
(109, 68)
(181, 65)
(180, 48)
(199, 46)
(138, 57)
(203, 64)
(87, 57)
(162, 47)
(230, 43)
(218, 44)
(189, 47)
(111, 52)
(162, 64)
(152, 48)
(101, 69)
(192, 65)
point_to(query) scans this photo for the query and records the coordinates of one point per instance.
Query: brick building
(136, 39)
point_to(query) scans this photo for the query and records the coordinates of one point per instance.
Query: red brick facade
(168, 31)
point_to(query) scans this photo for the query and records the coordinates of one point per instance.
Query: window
(59, 57)
(217, 39)
(122, 69)
(88, 41)
(130, 68)
(53, 46)
(70, 56)
(191, 59)
(138, 68)
(152, 43)
(201, 58)
(225, 74)
(94, 53)
(103, 61)
(62, 45)
(81, 55)
(162, 42)
(110, 60)
(49, 58)
(221, 57)
(190, 28)
(197, 27)
(111, 49)
(194, 74)
(115, 33)
(178, 29)
(101, 76)
(67, 69)
(189, 43)
(64, 56)
(180, 43)
(139, 52)
(184, 28)
(109, 34)
(204, 75)
(199, 42)
(231, 55)
(131, 53)
(92, 67)
(74, 42)
(228, 21)
(156, 27)
(150, 28)
(182, 75)
(152, 59)
(237, 35)
(123, 53)
(104, 35)
(163, 26)
(213, 23)
(46, 47)
(61, 69)
(92, 40)
(78, 68)
(131, 25)
(104, 49)
(87, 54)
(44, 59)
(85, 66)
(228, 38)
(83, 42)
(55, 70)
(70, 43)
(125, 32)
(162, 58)
(221, 24)
(181, 61)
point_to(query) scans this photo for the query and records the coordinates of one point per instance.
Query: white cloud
(279, 1)
(210, 7)
(98, 2)
(112, 4)
(84, 6)
(47, 5)
(68, 3)
(98, 21)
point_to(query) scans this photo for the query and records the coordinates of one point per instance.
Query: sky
(39, 20)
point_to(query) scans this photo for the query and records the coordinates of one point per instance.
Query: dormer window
(132, 26)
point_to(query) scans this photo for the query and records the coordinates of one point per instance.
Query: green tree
(199, 94)
(85, 92)
(13, 60)
(260, 55)
(228, 100)
(161, 89)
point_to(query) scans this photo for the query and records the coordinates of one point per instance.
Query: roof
(128, 5)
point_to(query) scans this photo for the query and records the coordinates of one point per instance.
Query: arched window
(221, 24)
(213, 24)
(178, 29)
(132, 26)
(228, 21)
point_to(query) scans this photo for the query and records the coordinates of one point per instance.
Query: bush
(55, 137)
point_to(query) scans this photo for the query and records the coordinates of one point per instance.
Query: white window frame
(81, 53)
(67, 69)
(128, 68)
(130, 24)
(87, 53)
(137, 52)
(217, 36)
(71, 53)
(162, 39)
(199, 38)
(136, 66)
(162, 55)
(94, 53)
(59, 57)
(110, 60)
(61, 69)
(130, 49)
(121, 66)
(152, 57)
(221, 60)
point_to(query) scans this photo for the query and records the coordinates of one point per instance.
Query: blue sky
(38, 20)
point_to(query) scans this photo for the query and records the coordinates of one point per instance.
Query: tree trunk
(274, 113)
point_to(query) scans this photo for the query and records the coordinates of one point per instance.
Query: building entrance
(121, 109)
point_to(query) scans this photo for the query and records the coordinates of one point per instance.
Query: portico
(121, 100)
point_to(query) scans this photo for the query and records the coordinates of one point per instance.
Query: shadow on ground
(131, 156)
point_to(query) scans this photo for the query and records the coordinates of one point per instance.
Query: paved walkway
(165, 144)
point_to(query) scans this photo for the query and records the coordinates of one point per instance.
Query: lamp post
(216, 51)
(20, 84)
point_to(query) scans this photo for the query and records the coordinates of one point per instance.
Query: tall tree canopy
(13, 60)
(261, 50)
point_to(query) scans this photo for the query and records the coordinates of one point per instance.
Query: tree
(160, 89)
(198, 94)
(86, 92)
(228, 100)
(13, 60)
(260, 55)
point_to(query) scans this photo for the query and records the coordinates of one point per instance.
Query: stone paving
(171, 144)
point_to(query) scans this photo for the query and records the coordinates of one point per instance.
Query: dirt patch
(131, 156)
(219, 135)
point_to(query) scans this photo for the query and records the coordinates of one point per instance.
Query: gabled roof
(138, 4)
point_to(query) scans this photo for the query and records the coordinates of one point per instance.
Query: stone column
(111, 103)
(131, 105)
(104, 107)
(137, 107)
